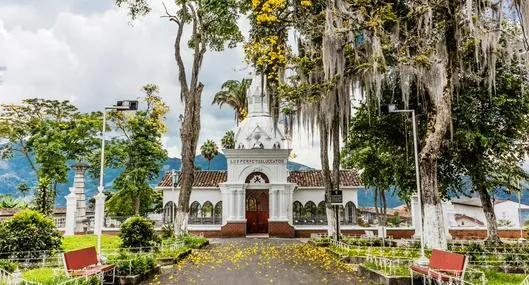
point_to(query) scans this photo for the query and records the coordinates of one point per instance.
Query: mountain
(17, 170)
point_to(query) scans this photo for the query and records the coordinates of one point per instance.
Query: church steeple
(258, 99)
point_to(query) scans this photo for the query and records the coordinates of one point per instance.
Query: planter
(342, 257)
(357, 259)
(137, 279)
(379, 278)
(163, 261)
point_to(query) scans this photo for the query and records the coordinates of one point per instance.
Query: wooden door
(257, 211)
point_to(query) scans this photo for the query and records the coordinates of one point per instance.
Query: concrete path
(259, 261)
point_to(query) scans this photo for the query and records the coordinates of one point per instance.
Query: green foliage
(228, 140)
(8, 265)
(209, 150)
(399, 270)
(140, 152)
(50, 276)
(130, 264)
(27, 233)
(370, 242)
(48, 133)
(137, 233)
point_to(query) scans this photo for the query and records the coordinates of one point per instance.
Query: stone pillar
(272, 208)
(99, 214)
(71, 206)
(415, 216)
(235, 225)
(79, 186)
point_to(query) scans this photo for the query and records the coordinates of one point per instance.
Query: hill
(17, 170)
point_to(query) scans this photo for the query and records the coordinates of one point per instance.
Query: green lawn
(83, 241)
(498, 278)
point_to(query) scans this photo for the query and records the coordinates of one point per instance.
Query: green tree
(213, 25)
(139, 151)
(491, 133)
(48, 133)
(209, 150)
(233, 93)
(228, 140)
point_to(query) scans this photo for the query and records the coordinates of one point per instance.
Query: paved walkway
(259, 261)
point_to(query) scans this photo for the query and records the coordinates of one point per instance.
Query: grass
(83, 241)
(44, 275)
(499, 278)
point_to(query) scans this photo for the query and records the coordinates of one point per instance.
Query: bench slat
(81, 258)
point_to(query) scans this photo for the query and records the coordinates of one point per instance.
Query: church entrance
(256, 211)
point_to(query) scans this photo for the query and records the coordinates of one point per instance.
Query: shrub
(193, 242)
(27, 234)
(138, 232)
(8, 266)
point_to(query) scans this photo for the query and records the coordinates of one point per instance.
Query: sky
(89, 52)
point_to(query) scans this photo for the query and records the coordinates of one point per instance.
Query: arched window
(277, 145)
(169, 212)
(350, 213)
(241, 146)
(298, 212)
(194, 209)
(257, 178)
(310, 212)
(321, 214)
(218, 213)
(207, 213)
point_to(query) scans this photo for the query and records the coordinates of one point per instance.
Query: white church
(258, 194)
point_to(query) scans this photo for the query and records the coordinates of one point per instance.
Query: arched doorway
(257, 211)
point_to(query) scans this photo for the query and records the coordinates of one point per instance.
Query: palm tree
(228, 141)
(209, 150)
(233, 93)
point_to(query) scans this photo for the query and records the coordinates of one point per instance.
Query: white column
(285, 203)
(272, 208)
(71, 206)
(415, 216)
(99, 212)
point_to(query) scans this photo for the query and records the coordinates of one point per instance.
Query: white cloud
(86, 51)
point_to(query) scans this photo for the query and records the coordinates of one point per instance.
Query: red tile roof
(314, 178)
(202, 179)
(305, 178)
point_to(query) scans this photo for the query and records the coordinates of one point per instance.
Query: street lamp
(520, 219)
(392, 109)
(100, 197)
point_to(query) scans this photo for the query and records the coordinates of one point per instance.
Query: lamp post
(392, 109)
(520, 218)
(100, 197)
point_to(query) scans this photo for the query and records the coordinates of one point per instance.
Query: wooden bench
(444, 267)
(84, 262)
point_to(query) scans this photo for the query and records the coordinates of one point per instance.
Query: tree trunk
(324, 152)
(375, 202)
(209, 164)
(136, 206)
(335, 131)
(490, 216)
(384, 208)
(189, 135)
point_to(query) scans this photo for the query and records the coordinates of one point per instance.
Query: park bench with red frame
(444, 267)
(84, 262)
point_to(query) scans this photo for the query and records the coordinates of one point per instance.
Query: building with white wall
(257, 193)
(469, 212)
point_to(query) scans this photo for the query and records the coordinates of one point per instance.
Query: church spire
(258, 99)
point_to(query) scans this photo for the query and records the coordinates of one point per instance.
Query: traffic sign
(336, 197)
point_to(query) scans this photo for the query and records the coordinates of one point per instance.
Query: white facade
(256, 193)
(506, 211)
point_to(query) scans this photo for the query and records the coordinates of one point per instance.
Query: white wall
(471, 211)
(508, 210)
